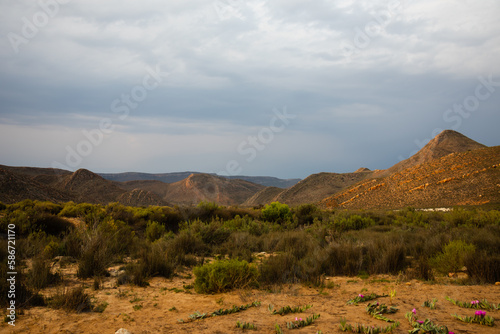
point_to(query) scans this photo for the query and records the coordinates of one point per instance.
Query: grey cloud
(228, 72)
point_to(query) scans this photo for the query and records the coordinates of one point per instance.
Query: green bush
(276, 212)
(154, 231)
(224, 275)
(452, 259)
(352, 222)
(306, 213)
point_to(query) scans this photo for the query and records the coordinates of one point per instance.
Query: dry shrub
(40, 276)
(152, 261)
(75, 300)
(483, 267)
(280, 269)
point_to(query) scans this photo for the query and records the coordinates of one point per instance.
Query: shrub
(352, 222)
(96, 256)
(40, 276)
(276, 212)
(280, 269)
(483, 267)
(387, 257)
(82, 210)
(224, 275)
(154, 231)
(452, 259)
(51, 224)
(241, 245)
(343, 259)
(72, 300)
(213, 233)
(152, 261)
(306, 213)
(52, 249)
(185, 243)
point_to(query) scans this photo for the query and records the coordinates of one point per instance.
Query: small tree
(453, 257)
(276, 212)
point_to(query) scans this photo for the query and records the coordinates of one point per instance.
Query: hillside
(267, 181)
(139, 197)
(466, 178)
(312, 189)
(207, 187)
(451, 169)
(133, 176)
(262, 197)
(447, 142)
(17, 187)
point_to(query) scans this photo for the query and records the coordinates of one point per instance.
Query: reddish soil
(151, 309)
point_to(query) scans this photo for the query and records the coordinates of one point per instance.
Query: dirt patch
(158, 307)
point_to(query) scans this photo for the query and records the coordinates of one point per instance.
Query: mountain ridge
(463, 166)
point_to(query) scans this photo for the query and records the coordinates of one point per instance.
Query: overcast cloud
(284, 88)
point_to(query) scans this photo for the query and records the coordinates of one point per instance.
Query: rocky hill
(17, 187)
(212, 188)
(262, 197)
(466, 178)
(19, 183)
(445, 143)
(310, 190)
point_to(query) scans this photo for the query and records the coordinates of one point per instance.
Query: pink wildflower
(414, 311)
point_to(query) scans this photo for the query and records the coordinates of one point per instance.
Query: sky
(280, 88)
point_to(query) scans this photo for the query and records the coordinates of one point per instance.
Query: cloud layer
(185, 84)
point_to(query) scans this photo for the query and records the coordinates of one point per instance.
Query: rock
(122, 331)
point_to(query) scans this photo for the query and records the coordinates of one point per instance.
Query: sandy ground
(157, 308)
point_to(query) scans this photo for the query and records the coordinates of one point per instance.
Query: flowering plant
(299, 323)
(425, 326)
(362, 298)
(476, 304)
(480, 317)
(358, 328)
(377, 310)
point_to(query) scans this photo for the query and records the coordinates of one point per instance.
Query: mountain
(267, 181)
(450, 170)
(212, 188)
(262, 197)
(17, 187)
(447, 142)
(466, 178)
(86, 186)
(133, 176)
(139, 197)
(312, 189)
(176, 177)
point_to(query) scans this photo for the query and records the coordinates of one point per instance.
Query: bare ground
(157, 308)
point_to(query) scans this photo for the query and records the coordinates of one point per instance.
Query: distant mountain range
(450, 170)
(267, 181)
